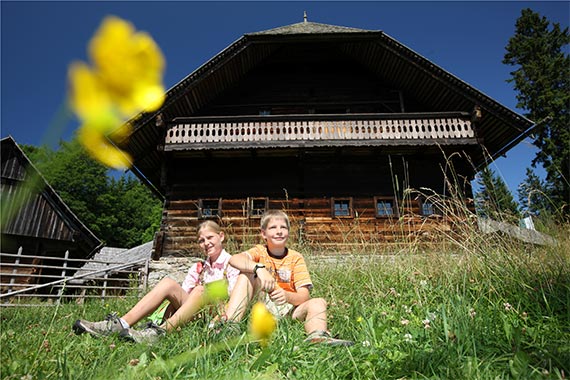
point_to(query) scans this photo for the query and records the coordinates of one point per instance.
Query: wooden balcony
(319, 130)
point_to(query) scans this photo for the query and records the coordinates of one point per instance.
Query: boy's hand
(278, 296)
(266, 280)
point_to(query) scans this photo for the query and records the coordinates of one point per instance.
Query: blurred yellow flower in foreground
(262, 323)
(126, 78)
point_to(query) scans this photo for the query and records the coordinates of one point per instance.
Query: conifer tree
(494, 200)
(539, 53)
(533, 195)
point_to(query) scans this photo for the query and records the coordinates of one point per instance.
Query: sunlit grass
(495, 309)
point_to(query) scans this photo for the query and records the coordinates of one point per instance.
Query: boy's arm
(281, 296)
(245, 264)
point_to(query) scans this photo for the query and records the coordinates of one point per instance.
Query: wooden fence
(24, 277)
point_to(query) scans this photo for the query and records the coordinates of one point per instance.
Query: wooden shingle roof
(45, 215)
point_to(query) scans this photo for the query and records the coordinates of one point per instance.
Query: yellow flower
(262, 323)
(130, 64)
(126, 78)
(359, 319)
(216, 291)
(100, 148)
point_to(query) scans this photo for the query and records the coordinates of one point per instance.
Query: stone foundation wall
(173, 267)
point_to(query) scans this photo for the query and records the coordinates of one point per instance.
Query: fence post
(63, 272)
(104, 291)
(15, 270)
(145, 279)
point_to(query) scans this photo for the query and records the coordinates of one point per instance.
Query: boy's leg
(242, 294)
(168, 289)
(193, 303)
(314, 313)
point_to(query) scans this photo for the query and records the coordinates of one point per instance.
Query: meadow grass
(489, 308)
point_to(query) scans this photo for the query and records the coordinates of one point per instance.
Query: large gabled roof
(499, 128)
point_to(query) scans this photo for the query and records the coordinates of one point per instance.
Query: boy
(280, 276)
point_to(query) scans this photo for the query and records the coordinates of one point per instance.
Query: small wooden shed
(43, 227)
(335, 125)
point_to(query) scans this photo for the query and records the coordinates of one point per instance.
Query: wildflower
(426, 323)
(507, 306)
(408, 309)
(472, 313)
(365, 343)
(408, 337)
(262, 323)
(359, 319)
(126, 78)
(404, 322)
(423, 283)
(129, 64)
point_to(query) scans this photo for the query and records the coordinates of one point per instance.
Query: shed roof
(109, 255)
(45, 215)
(499, 129)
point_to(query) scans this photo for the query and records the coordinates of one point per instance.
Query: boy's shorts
(278, 311)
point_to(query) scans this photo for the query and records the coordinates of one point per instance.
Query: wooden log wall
(313, 225)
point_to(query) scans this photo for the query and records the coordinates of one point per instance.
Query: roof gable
(45, 216)
(392, 62)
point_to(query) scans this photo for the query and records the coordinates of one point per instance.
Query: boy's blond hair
(273, 214)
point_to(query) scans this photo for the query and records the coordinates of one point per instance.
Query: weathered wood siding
(312, 224)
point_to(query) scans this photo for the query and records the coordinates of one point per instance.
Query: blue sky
(40, 39)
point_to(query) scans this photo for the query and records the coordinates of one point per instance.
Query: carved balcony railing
(313, 130)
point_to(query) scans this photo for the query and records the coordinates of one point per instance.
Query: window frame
(201, 207)
(394, 207)
(342, 199)
(258, 211)
(435, 210)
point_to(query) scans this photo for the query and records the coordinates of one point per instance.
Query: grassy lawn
(487, 310)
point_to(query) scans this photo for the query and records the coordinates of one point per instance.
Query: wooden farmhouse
(39, 233)
(356, 136)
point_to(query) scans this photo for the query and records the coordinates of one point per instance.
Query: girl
(185, 300)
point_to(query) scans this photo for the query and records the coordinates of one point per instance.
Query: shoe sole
(79, 328)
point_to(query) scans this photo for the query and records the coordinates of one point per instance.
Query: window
(209, 208)
(257, 206)
(342, 207)
(427, 208)
(385, 207)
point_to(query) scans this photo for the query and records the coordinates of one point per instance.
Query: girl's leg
(314, 313)
(168, 289)
(242, 293)
(187, 310)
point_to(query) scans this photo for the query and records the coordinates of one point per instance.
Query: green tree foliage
(494, 200)
(542, 80)
(533, 195)
(122, 212)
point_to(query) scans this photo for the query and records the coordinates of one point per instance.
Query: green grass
(491, 309)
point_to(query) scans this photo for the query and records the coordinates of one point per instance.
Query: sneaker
(111, 325)
(149, 335)
(326, 338)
